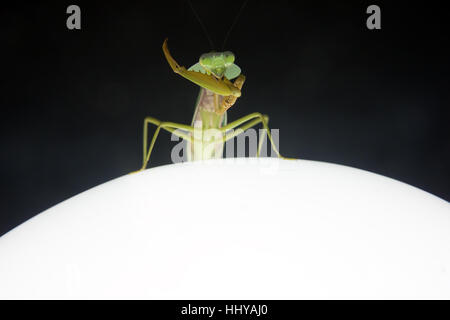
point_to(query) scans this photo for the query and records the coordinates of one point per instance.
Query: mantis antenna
(229, 30)
(233, 24)
(201, 24)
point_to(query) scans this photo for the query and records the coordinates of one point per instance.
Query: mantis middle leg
(168, 126)
(247, 122)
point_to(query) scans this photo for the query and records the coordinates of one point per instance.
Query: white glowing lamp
(235, 229)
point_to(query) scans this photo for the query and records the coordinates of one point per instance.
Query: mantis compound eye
(206, 60)
(228, 57)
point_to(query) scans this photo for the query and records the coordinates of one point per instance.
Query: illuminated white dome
(235, 229)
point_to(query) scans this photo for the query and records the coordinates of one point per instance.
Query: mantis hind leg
(168, 126)
(250, 121)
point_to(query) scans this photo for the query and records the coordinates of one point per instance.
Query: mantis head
(217, 62)
(220, 64)
(213, 72)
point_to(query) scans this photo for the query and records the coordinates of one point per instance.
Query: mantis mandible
(213, 73)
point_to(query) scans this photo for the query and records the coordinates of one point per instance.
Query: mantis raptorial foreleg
(168, 126)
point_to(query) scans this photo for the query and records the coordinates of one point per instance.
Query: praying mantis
(213, 73)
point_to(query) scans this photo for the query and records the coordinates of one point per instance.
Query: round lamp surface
(235, 229)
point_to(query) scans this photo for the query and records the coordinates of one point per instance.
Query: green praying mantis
(213, 73)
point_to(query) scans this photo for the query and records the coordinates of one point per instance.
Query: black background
(73, 101)
(277, 309)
